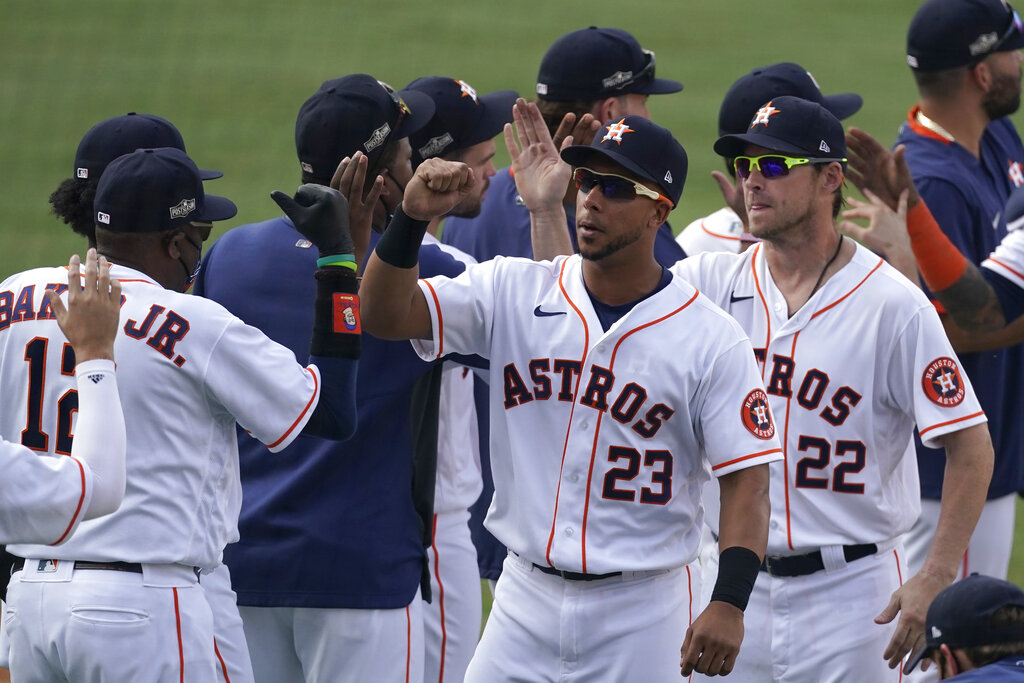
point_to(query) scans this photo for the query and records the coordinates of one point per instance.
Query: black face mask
(191, 274)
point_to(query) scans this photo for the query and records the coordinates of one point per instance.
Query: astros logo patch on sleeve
(942, 383)
(346, 313)
(757, 418)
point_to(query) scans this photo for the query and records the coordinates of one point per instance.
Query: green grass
(231, 75)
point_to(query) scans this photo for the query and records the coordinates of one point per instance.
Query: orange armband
(940, 262)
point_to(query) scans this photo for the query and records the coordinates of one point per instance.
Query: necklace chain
(828, 263)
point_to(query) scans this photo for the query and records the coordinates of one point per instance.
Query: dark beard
(1003, 98)
(618, 244)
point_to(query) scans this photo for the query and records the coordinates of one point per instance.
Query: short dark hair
(838, 199)
(940, 84)
(554, 112)
(1008, 615)
(72, 203)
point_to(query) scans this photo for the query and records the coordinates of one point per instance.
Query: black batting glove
(320, 213)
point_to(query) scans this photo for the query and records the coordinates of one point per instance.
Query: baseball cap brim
(209, 174)
(733, 145)
(912, 663)
(581, 155)
(655, 86)
(497, 111)
(843, 105)
(216, 209)
(421, 108)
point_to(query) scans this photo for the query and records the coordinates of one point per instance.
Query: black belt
(133, 567)
(802, 565)
(575, 576)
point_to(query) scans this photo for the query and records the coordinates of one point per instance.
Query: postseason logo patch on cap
(183, 208)
(435, 146)
(378, 138)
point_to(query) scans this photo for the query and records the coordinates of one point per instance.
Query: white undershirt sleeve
(100, 435)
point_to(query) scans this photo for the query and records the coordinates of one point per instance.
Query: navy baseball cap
(355, 113)
(747, 94)
(642, 147)
(152, 190)
(594, 63)
(114, 137)
(945, 34)
(790, 125)
(961, 616)
(462, 118)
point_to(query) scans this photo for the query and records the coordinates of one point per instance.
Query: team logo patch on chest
(757, 418)
(942, 383)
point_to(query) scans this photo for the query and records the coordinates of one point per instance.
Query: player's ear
(660, 213)
(832, 177)
(949, 666)
(981, 74)
(171, 242)
(606, 109)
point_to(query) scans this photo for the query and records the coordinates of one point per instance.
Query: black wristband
(737, 571)
(336, 325)
(399, 246)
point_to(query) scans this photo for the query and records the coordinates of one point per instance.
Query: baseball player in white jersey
(118, 600)
(45, 498)
(72, 202)
(599, 447)
(853, 355)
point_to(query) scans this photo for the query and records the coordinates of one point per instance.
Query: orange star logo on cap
(616, 131)
(763, 113)
(467, 90)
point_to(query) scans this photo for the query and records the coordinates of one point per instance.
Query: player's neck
(615, 281)
(961, 118)
(801, 268)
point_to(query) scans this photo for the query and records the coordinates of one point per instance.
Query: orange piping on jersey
(745, 457)
(575, 392)
(440, 320)
(718, 235)
(181, 645)
(921, 432)
(408, 643)
(81, 500)
(223, 666)
(845, 296)
(921, 130)
(785, 446)
(316, 384)
(597, 428)
(963, 574)
(440, 598)
(764, 306)
(997, 261)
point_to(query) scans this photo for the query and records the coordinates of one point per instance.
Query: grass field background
(231, 75)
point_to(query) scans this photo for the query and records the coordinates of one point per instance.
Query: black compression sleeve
(336, 325)
(399, 246)
(737, 571)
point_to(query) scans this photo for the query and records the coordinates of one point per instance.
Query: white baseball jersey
(718, 231)
(1008, 258)
(848, 376)
(600, 441)
(187, 370)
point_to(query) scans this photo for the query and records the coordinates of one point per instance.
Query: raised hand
(350, 179)
(541, 175)
(436, 187)
(320, 213)
(90, 320)
(874, 168)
